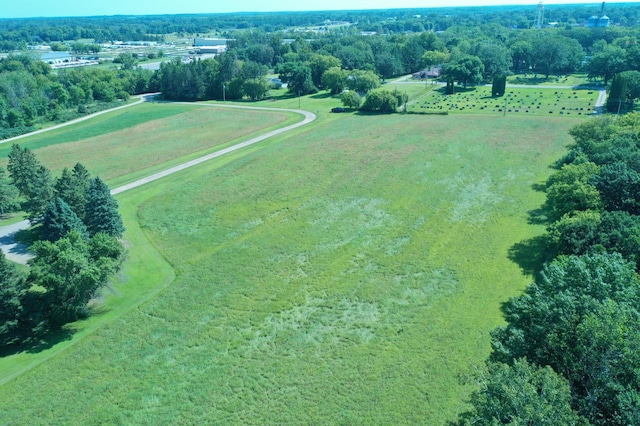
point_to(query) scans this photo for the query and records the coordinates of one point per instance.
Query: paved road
(142, 98)
(18, 252)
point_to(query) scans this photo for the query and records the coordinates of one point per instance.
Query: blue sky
(32, 8)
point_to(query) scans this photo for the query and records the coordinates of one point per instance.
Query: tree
(39, 194)
(102, 210)
(569, 189)
(388, 65)
(618, 185)
(319, 64)
(255, 89)
(431, 58)
(9, 194)
(633, 85)
(335, 80)
(617, 93)
(496, 59)
(72, 187)
(468, 70)
(555, 53)
(362, 81)
(22, 167)
(499, 85)
(607, 63)
(351, 100)
(380, 101)
(580, 318)
(13, 288)
(59, 220)
(520, 394)
(69, 275)
(298, 78)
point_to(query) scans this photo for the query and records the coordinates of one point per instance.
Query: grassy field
(517, 101)
(347, 274)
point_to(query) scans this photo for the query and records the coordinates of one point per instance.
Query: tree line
(77, 226)
(30, 93)
(570, 352)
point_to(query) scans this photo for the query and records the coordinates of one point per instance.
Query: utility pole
(224, 94)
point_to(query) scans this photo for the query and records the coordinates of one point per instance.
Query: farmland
(349, 272)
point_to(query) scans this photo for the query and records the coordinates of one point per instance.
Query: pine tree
(499, 85)
(23, 167)
(8, 194)
(59, 220)
(72, 187)
(12, 294)
(39, 193)
(102, 210)
(617, 93)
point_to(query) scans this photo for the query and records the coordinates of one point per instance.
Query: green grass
(517, 101)
(347, 274)
(148, 138)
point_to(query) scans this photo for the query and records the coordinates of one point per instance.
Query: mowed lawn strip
(348, 275)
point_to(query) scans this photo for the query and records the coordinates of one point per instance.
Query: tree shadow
(530, 255)
(29, 236)
(42, 344)
(324, 95)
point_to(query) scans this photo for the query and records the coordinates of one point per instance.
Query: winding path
(18, 252)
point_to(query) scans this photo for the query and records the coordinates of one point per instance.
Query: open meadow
(347, 273)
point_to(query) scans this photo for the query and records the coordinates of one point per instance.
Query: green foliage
(12, 294)
(59, 219)
(101, 212)
(70, 275)
(499, 85)
(72, 187)
(467, 70)
(351, 100)
(520, 394)
(560, 321)
(255, 89)
(9, 194)
(362, 81)
(383, 101)
(335, 80)
(617, 93)
(569, 189)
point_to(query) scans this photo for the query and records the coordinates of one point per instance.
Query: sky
(48, 8)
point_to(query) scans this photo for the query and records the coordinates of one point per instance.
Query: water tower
(540, 15)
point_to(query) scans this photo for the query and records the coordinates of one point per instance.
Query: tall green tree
(9, 194)
(617, 94)
(13, 289)
(467, 70)
(101, 212)
(59, 219)
(520, 394)
(40, 193)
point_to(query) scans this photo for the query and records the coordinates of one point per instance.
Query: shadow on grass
(531, 254)
(43, 344)
(325, 95)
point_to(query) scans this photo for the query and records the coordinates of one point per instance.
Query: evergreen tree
(39, 193)
(59, 220)
(617, 93)
(499, 85)
(23, 167)
(12, 293)
(72, 187)
(8, 194)
(102, 210)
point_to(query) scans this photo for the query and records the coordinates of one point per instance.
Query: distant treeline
(17, 33)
